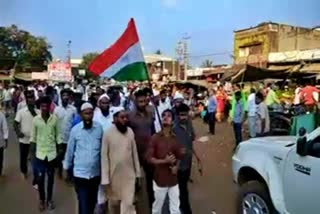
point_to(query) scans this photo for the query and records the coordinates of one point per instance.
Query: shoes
(101, 209)
(51, 205)
(42, 206)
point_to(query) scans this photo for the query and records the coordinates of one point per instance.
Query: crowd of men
(111, 149)
(116, 144)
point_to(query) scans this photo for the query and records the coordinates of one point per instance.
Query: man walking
(22, 126)
(45, 143)
(65, 113)
(252, 110)
(238, 117)
(104, 118)
(262, 116)
(83, 155)
(185, 135)
(120, 163)
(4, 134)
(212, 107)
(141, 120)
(164, 152)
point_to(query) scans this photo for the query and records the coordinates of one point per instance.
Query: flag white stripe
(132, 55)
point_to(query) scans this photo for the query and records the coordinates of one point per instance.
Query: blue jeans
(87, 193)
(237, 128)
(252, 126)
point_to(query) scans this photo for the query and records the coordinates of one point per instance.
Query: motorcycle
(280, 118)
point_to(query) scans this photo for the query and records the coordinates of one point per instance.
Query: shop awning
(23, 76)
(311, 68)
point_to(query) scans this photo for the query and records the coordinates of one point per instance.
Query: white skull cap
(86, 106)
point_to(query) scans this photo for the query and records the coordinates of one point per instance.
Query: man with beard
(141, 120)
(65, 114)
(120, 164)
(83, 155)
(103, 117)
(22, 126)
(164, 102)
(185, 135)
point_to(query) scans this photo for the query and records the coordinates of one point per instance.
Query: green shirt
(271, 98)
(46, 136)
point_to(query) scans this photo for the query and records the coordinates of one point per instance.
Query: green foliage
(207, 64)
(159, 52)
(86, 60)
(25, 49)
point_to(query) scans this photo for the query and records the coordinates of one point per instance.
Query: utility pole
(182, 51)
(185, 57)
(69, 52)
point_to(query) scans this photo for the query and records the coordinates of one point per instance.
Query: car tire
(256, 190)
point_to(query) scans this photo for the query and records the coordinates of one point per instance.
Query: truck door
(301, 182)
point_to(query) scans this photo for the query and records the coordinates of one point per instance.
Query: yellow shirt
(46, 136)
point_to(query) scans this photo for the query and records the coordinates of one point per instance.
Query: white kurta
(106, 123)
(120, 167)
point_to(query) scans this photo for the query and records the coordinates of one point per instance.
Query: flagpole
(152, 94)
(148, 77)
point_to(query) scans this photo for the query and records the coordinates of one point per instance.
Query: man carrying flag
(124, 61)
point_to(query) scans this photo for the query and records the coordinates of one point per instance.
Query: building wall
(259, 36)
(272, 37)
(296, 38)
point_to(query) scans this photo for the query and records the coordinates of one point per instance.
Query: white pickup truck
(278, 174)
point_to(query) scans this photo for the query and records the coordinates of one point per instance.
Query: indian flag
(123, 60)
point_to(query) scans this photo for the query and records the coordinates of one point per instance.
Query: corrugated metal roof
(293, 56)
(151, 58)
(312, 68)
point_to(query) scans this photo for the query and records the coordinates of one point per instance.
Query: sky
(93, 25)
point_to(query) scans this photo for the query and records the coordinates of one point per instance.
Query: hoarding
(59, 71)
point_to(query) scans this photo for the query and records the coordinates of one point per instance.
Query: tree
(25, 49)
(159, 52)
(86, 60)
(207, 64)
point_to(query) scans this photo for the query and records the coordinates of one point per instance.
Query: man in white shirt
(252, 111)
(64, 113)
(4, 133)
(22, 126)
(163, 105)
(103, 116)
(262, 116)
(7, 99)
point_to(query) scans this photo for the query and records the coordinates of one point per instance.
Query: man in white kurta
(103, 116)
(120, 164)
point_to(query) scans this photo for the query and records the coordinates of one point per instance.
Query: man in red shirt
(164, 152)
(309, 96)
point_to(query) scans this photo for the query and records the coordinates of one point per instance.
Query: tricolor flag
(123, 60)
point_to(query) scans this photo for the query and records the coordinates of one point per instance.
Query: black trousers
(183, 180)
(212, 122)
(24, 153)
(60, 164)
(87, 193)
(1, 159)
(148, 170)
(43, 168)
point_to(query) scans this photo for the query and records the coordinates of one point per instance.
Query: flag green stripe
(135, 71)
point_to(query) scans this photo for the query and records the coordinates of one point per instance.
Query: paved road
(214, 191)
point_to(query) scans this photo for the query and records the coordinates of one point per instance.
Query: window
(250, 50)
(244, 51)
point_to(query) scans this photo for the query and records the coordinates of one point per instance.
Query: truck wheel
(254, 198)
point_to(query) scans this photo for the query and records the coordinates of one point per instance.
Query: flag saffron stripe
(114, 52)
